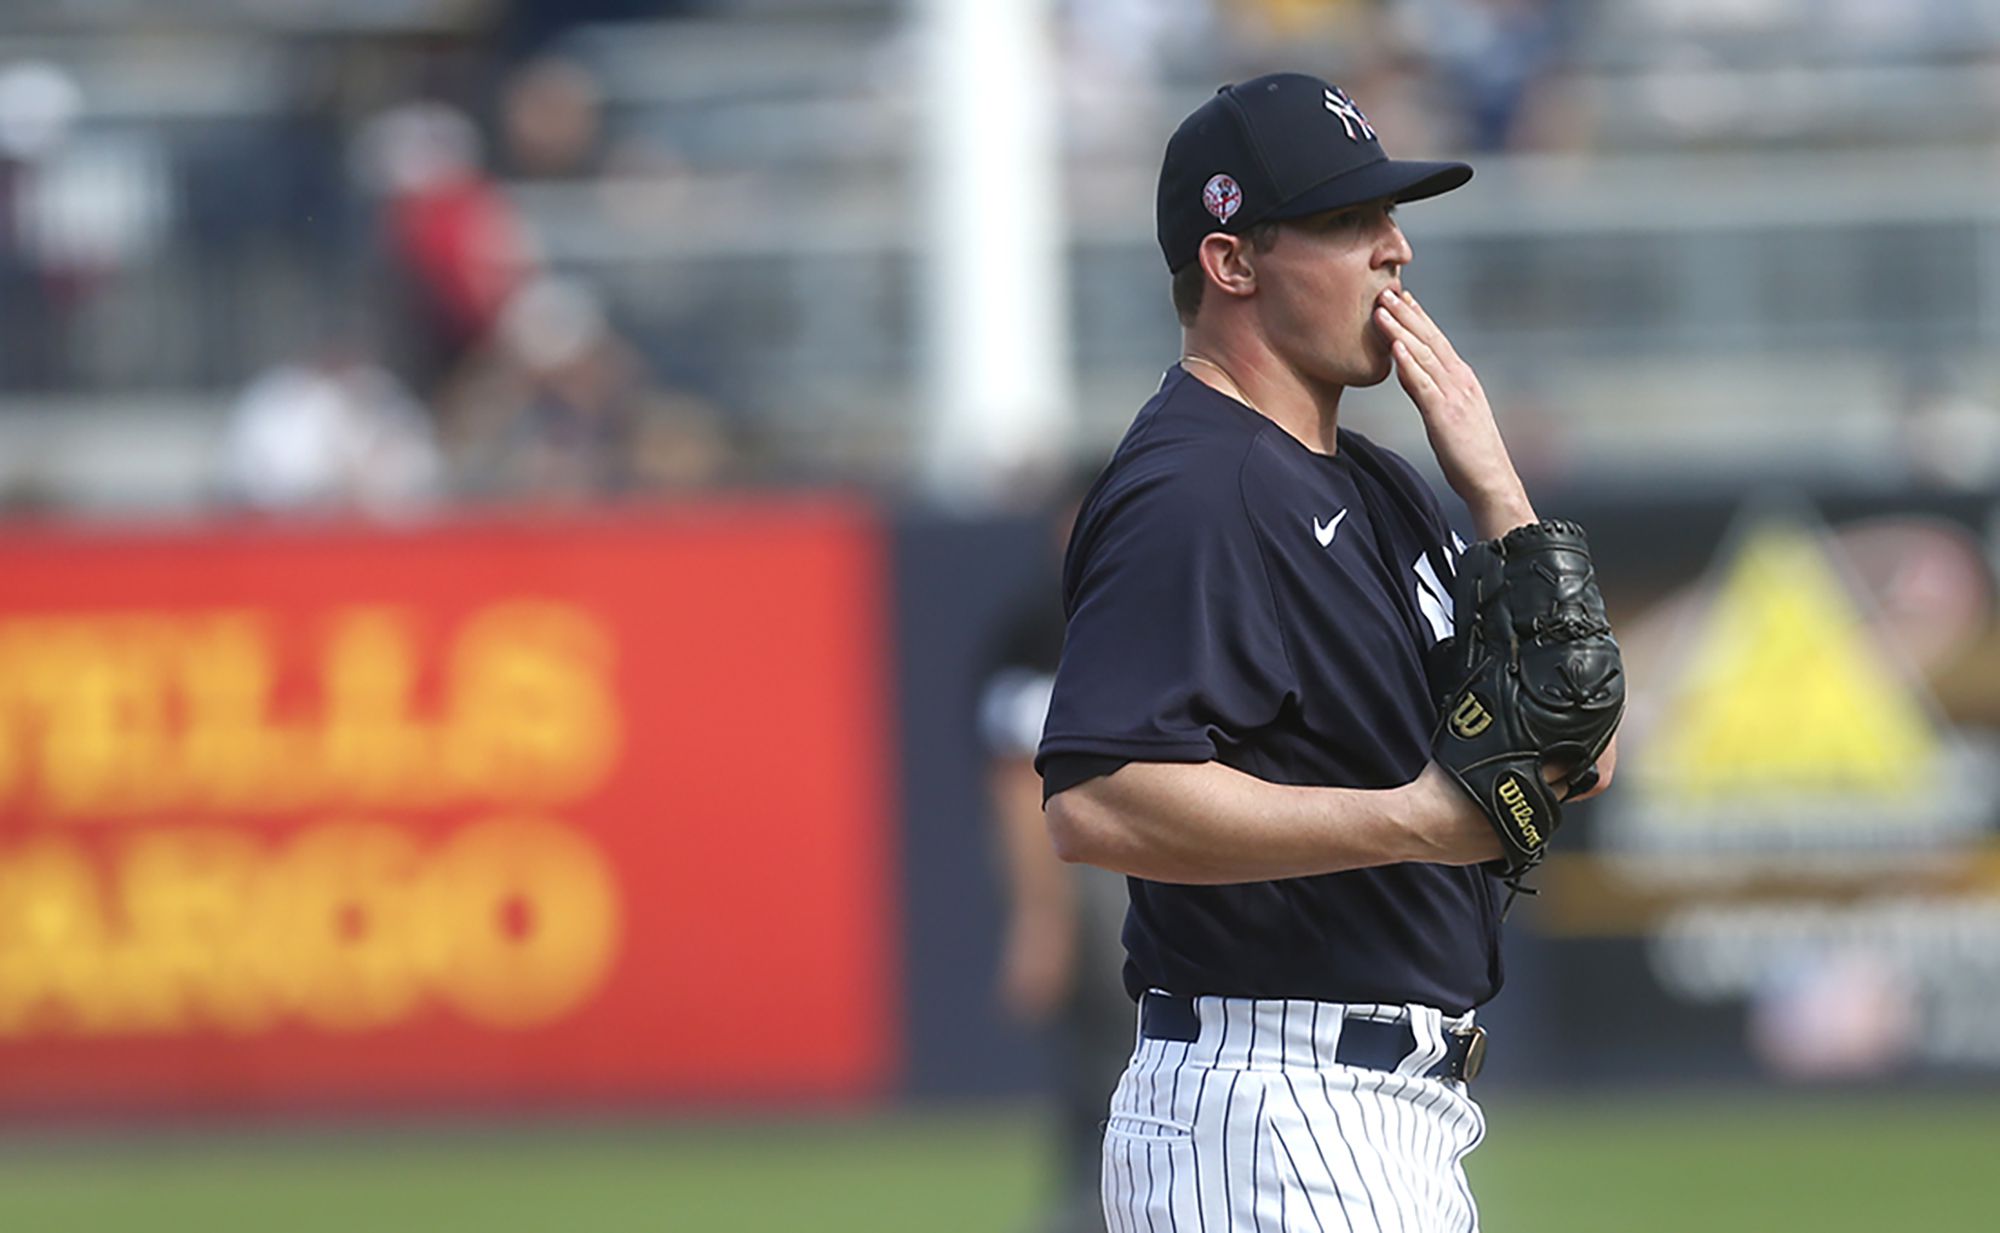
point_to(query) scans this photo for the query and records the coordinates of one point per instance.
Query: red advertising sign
(593, 810)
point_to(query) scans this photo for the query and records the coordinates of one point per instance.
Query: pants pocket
(1147, 1128)
(1149, 1173)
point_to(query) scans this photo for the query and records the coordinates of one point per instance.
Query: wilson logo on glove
(1514, 802)
(1470, 717)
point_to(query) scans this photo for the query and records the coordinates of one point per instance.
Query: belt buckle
(1475, 1053)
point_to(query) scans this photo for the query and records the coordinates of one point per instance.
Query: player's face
(1320, 282)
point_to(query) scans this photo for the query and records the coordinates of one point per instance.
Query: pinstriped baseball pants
(1254, 1128)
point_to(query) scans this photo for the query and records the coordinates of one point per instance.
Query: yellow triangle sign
(1785, 694)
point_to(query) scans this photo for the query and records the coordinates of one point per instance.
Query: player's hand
(1447, 827)
(1457, 418)
(1451, 829)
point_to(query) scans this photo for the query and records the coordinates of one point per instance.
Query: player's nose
(1395, 246)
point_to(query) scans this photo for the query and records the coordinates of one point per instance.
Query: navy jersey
(1237, 597)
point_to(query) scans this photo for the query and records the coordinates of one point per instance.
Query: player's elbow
(1077, 826)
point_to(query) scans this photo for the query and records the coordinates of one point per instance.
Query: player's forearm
(1209, 824)
(1500, 506)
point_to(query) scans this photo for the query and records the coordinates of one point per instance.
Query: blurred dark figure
(455, 249)
(1061, 961)
(1489, 57)
(526, 27)
(561, 408)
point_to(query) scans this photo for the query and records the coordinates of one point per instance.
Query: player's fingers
(1428, 329)
(1408, 313)
(1418, 327)
(1420, 384)
(1399, 332)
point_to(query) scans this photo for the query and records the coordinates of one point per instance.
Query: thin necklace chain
(1235, 389)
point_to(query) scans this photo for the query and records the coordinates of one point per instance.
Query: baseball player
(1246, 719)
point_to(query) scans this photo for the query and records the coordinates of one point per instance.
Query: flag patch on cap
(1222, 197)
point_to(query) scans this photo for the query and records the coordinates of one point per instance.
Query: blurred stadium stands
(1707, 239)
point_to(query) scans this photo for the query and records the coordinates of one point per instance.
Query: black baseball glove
(1534, 680)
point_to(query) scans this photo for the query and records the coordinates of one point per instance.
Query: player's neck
(1254, 376)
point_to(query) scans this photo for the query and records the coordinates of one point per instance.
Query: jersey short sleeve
(1174, 651)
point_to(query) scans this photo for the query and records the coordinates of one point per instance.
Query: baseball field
(1720, 1164)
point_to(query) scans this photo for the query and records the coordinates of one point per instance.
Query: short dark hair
(1189, 281)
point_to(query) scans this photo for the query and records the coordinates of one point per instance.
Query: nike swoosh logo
(1324, 533)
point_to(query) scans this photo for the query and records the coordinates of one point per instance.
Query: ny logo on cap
(1339, 104)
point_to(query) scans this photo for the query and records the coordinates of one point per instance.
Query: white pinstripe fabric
(1254, 1127)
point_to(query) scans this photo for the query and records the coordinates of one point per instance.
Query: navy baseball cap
(1280, 146)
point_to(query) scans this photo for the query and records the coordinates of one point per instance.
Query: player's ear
(1228, 262)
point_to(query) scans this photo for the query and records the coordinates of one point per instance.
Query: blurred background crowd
(298, 255)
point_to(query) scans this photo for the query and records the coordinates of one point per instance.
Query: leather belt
(1370, 1043)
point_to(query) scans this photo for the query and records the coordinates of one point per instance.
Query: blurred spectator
(455, 247)
(72, 210)
(1489, 57)
(561, 408)
(1949, 438)
(37, 106)
(334, 433)
(551, 120)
